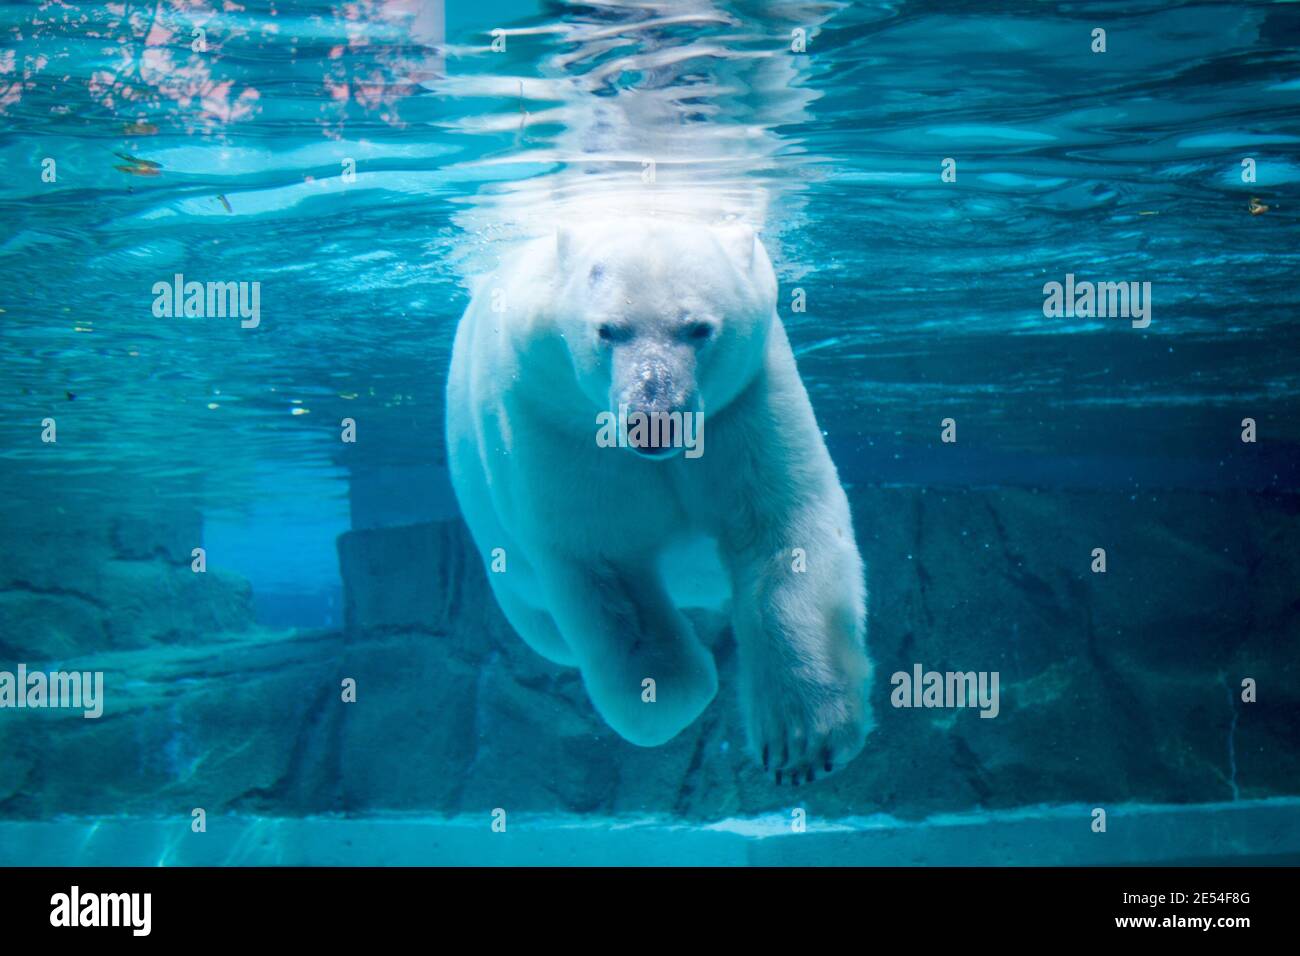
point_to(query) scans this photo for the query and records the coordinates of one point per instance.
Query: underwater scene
(872, 434)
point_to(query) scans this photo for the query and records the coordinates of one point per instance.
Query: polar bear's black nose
(653, 387)
(656, 399)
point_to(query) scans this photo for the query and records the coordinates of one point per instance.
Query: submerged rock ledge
(1117, 688)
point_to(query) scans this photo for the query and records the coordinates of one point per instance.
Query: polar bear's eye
(699, 331)
(614, 332)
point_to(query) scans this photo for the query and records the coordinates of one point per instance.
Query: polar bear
(590, 544)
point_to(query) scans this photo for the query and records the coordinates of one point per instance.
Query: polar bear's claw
(803, 772)
(801, 732)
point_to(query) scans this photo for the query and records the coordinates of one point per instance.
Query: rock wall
(82, 583)
(1116, 687)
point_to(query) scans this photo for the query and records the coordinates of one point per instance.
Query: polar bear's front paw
(809, 720)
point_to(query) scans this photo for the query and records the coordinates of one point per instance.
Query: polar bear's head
(663, 317)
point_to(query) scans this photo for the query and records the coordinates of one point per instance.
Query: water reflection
(682, 109)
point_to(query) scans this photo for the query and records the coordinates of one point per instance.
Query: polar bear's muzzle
(656, 434)
(657, 414)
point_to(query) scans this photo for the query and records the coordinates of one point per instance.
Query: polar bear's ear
(738, 241)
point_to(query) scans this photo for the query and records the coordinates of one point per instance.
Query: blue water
(363, 160)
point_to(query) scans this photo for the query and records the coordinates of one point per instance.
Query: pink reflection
(151, 60)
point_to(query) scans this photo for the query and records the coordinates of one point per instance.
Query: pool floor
(1250, 832)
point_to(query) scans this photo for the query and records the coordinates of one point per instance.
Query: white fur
(586, 529)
